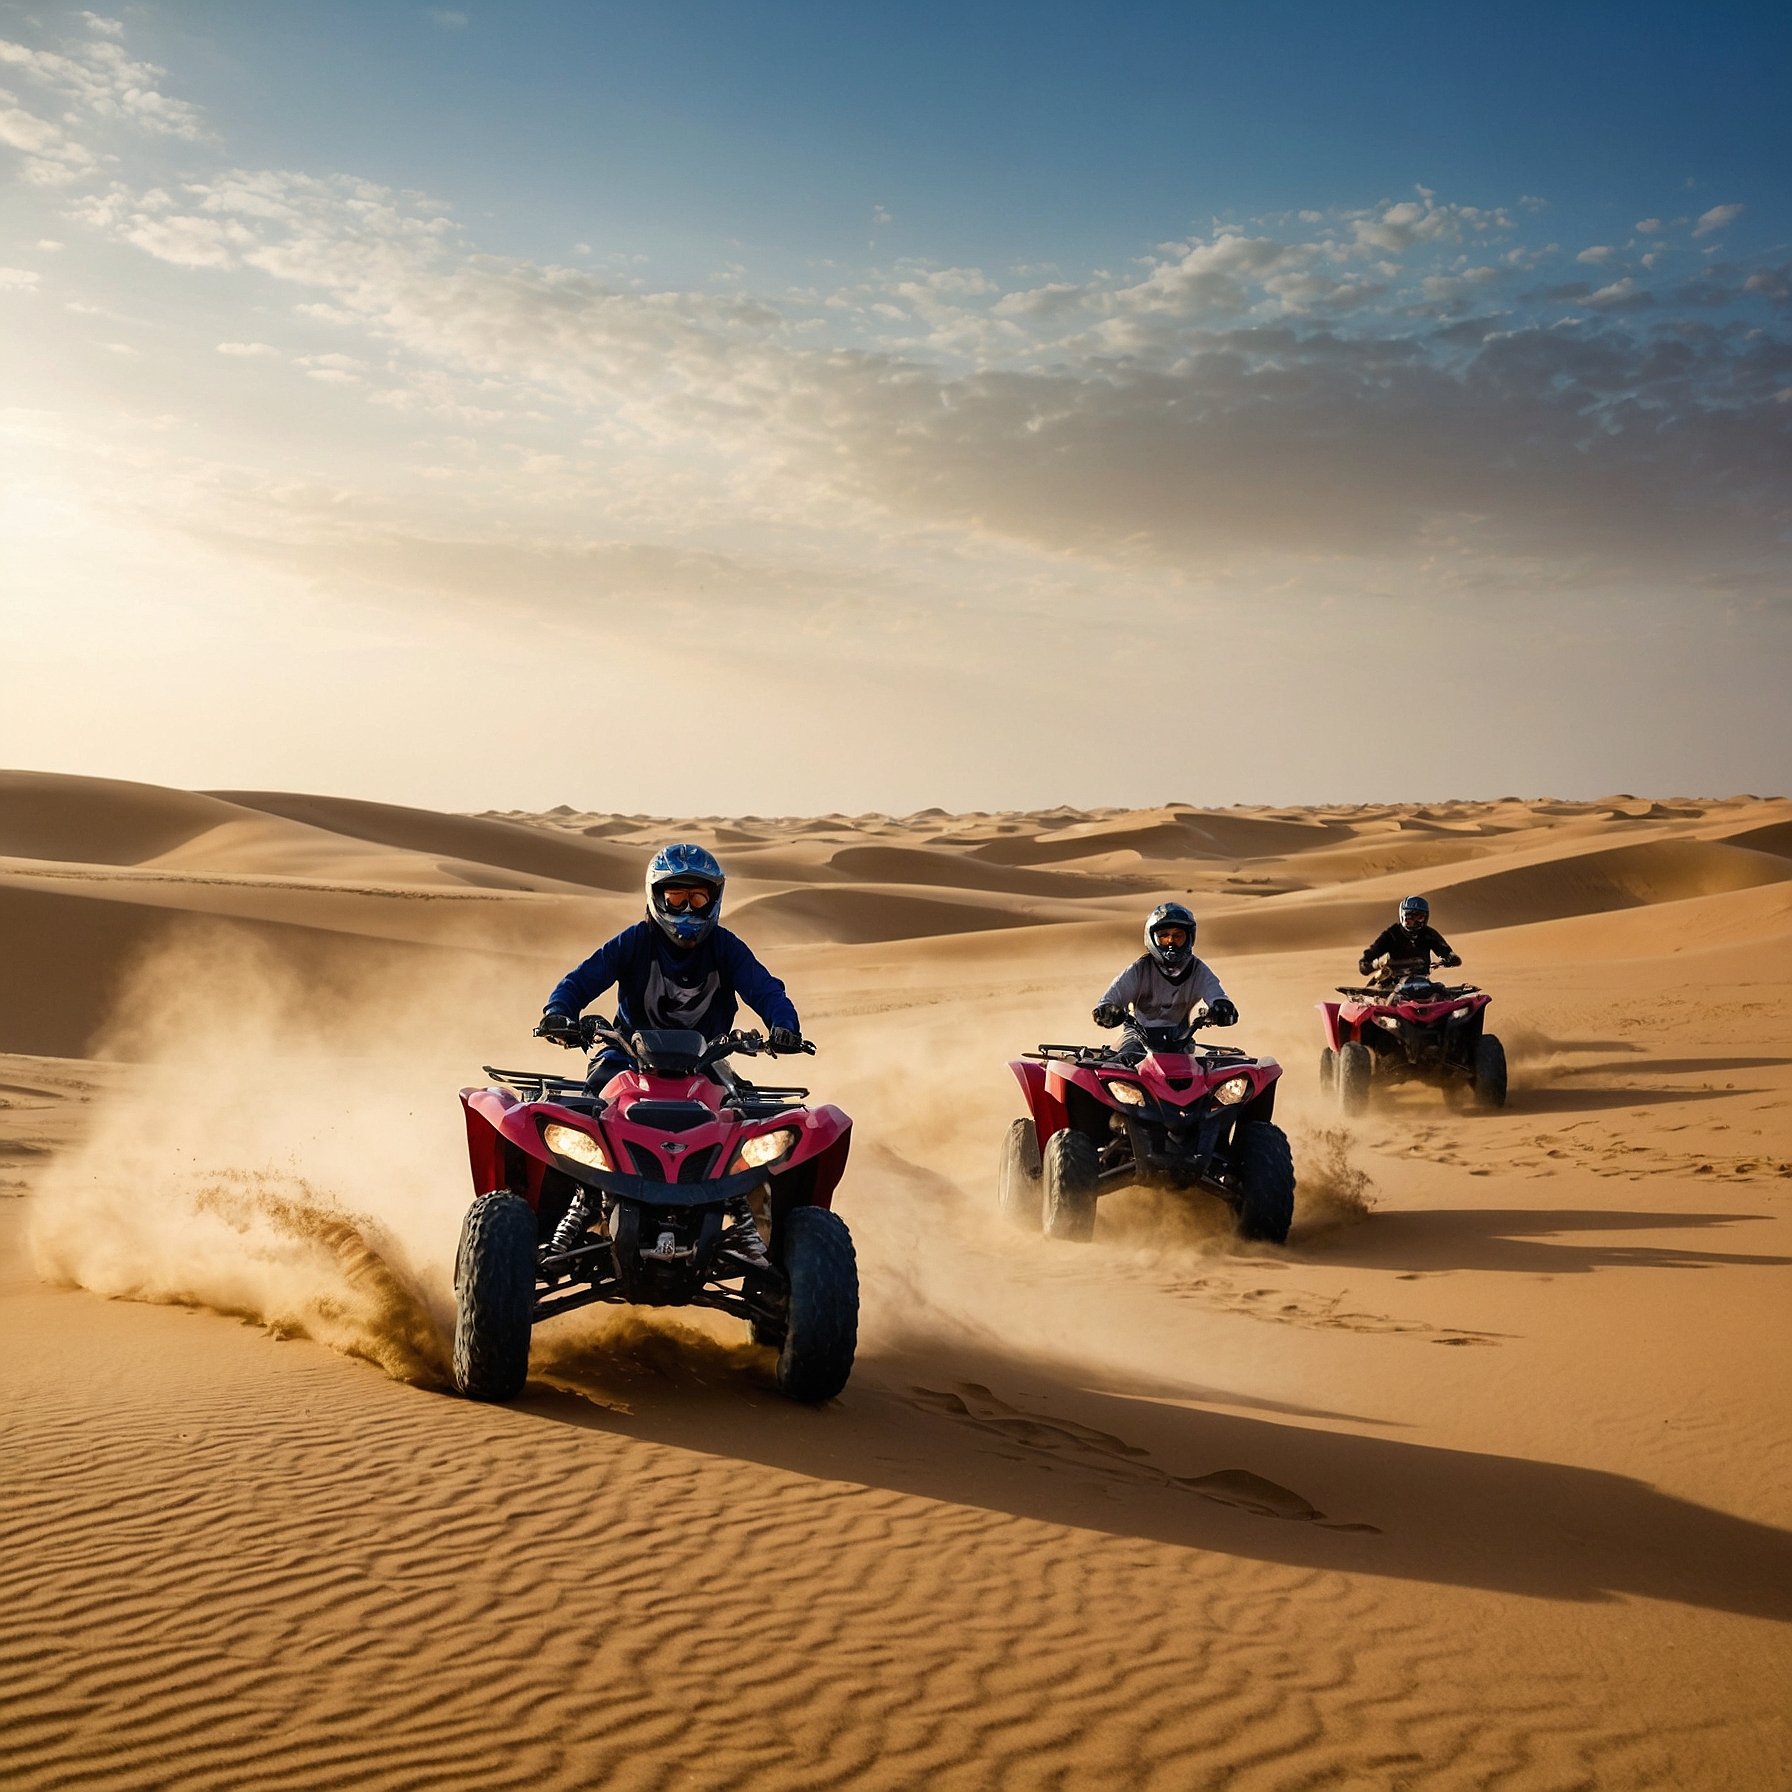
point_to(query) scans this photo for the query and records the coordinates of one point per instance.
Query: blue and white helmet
(1415, 912)
(684, 868)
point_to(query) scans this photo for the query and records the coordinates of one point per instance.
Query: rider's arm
(586, 982)
(1440, 947)
(756, 986)
(1123, 991)
(1206, 987)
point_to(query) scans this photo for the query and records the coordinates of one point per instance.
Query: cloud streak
(1244, 389)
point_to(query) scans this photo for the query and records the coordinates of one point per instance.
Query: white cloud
(1210, 277)
(1398, 227)
(1044, 303)
(109, 84)
(1447, 288)
(1648, 226)
(18, 280)
(1619, 292)
(1719, 217)
(1601, 252)
(247, 348)
(52, 157)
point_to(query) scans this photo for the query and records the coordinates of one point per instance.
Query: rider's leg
(604, 1066)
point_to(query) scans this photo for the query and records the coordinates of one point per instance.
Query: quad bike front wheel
(1264, 1172)
(1071, 1174)
(494, 1297)
(1328, 1070)
(1490, 1072)
(1355, 1069)
(1018, 1190)
(821, 1332)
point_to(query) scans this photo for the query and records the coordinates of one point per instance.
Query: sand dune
(99, 821)
(470, 840)
(916, 865)
(1481, 1482)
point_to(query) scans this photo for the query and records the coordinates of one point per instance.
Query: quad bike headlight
(1231, 1092)
(1460, 1014)
(1128, 1093)
(581, 1147)
(767, 1148)
(1390, 1021)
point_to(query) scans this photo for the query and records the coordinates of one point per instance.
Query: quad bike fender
(1261, 1103)
(818, 1162)
(1335, 1035)
(485, 1148)
(824, 1136)
(504, 1148)
(1045, 1107)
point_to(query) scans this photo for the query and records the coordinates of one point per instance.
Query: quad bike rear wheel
(821, 1331)
(1490, 1072)
(1355, 1069)
(1018, 1190)
(1264, 1171)
(1070, 1176)
(1328, 1070)
(494, 1297)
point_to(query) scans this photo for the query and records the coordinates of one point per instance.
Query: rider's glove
(561, 1028)
(1108, 1015)
(1222, 1013)
(1451, 961)
(1364, 965)
(783, 1039)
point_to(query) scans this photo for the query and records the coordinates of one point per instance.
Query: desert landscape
(1163, 1511)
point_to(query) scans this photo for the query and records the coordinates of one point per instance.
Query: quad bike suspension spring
(573, 1225)
(743, 1235)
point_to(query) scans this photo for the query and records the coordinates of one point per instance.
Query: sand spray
(294, 1155)
(287, 1154)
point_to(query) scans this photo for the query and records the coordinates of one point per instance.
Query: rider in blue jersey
(677, 968)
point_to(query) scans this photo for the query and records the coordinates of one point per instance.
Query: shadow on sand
(1679, 1067)
(1143, 1459)
(1559, 1099)
(1531, 1241)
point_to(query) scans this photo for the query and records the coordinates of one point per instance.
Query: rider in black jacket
(1408, 946)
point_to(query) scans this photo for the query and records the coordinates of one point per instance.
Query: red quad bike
(680, 1184)
(1411, 1029)
(1180, 1116)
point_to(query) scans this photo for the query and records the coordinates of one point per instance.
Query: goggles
(680, 897)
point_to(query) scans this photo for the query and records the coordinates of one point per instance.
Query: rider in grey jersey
(1167, 985)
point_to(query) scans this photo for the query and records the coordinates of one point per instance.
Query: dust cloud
(289, 1157)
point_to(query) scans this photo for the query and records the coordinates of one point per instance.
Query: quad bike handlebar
(593, 1029)
(1382, 992)
(755, 1042)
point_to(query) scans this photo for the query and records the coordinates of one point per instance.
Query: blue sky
(907, 375)
(1030, 133)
